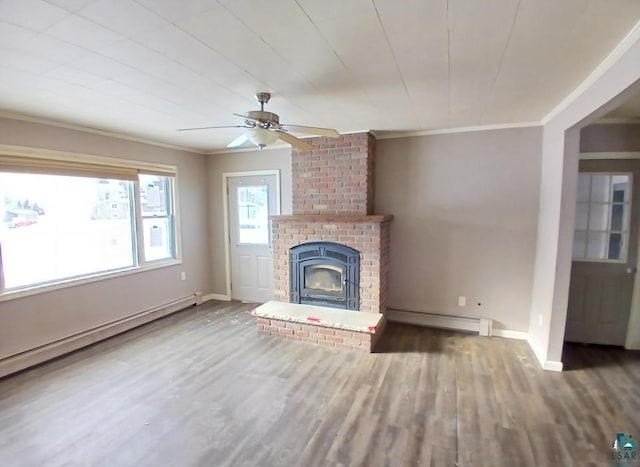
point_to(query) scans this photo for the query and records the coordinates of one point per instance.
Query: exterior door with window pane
(252, 200)
(604, 251)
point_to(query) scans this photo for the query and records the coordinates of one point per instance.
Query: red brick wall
(335, 177)
(315, 334)
(367, 234)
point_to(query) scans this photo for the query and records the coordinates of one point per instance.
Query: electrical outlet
(462, 300)
(540, 320)
(183, 276)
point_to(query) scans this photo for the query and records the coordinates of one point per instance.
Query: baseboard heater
(60, 347)
(482, 326)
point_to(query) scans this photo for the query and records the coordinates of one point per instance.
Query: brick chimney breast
(333, 192)
(335, 177)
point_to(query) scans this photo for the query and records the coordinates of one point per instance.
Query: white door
(604, 250)
(252, 199)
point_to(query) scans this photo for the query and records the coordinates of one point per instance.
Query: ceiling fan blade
(312, 130)
(295, 142)
(239, 141)
(212, 127)
(247, 117)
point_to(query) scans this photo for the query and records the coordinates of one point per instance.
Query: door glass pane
(582, 216)
(599, 217)
(253, 214)
(579, 244)
(621, 190)
(603, 208)
(600, 188)
(618, 217)
(584, 185)
(597, 243)
(615, 246)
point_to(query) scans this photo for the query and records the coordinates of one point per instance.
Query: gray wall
(36, 320)
(466, 211)
(610, 138)
(239, 161)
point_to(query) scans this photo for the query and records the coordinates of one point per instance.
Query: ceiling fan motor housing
(266, 119)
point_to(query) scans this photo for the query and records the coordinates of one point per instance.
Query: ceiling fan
(264, 128)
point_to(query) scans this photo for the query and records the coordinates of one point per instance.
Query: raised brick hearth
(323, 326)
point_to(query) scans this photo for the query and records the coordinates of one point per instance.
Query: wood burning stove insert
(325, 274)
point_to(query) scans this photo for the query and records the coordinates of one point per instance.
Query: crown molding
(616, 121)
(95, 131)
(623, 47)
(445, 131)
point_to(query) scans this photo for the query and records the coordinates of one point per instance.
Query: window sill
(63, 284)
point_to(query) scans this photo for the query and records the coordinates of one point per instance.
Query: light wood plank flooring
(202, 388)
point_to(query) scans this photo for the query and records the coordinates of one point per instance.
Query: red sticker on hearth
(311, 318)
(372, 329)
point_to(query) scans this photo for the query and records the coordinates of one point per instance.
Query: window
(64, 220)
(602, 217)
(253, 214)
(157, 217)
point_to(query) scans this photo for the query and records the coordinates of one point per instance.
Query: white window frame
(42, 161)
(171, 215)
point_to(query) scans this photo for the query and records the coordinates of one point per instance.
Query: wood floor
(202, 388)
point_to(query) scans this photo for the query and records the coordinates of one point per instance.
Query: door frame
(632, 340)
(225, 214)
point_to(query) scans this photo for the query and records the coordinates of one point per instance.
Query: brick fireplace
(333, 194)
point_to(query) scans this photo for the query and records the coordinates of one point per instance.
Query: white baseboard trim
(216, 296)
(60, 347)
(458, 323)
(506, 333)
(552, 365)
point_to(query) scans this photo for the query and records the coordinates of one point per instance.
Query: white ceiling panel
(479, 33)
(148, 67)
(173, 10)
(72, 75)
(25, 62)
(524, 59)
(224, 33)
(77, 30)
(52, 49)
(418, 36)
(323, 77)
(11, 35)
(35, 15)
(180, 47)
(70, 5)
(122, 16)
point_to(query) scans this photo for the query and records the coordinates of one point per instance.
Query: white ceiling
(145, 68)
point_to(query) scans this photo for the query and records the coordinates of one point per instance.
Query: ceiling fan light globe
(261, 137)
